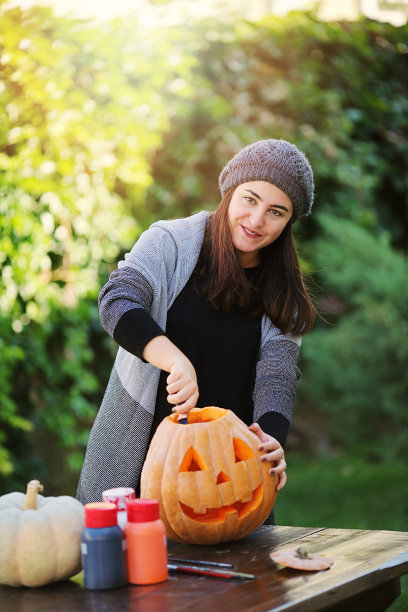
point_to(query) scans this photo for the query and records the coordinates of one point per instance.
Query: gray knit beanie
(277, 162)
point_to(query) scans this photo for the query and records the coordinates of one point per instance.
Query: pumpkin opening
(215, 516)
(201, 415)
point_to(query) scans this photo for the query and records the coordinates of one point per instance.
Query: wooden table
(365, 575)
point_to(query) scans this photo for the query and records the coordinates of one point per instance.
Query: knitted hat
(277, 162)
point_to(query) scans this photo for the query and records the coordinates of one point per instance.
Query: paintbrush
(208, 571)
(199, 563)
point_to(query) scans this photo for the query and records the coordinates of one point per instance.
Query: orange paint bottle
(146, 542)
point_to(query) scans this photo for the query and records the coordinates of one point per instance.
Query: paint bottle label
(119, 496)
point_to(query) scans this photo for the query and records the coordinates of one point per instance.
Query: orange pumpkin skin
(208, 477)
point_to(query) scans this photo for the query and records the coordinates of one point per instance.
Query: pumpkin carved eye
(192, 462)
(242, 450)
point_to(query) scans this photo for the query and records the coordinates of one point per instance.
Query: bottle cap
(100, 514)
(142, 510)
(118, 496)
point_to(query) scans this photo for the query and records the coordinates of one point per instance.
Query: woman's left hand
(274, 454)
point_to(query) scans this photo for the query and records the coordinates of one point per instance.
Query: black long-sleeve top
(223, 348)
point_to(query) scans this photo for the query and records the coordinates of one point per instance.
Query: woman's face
(258, 213)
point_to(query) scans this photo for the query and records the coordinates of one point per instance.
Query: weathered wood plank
(356, 554)
(366, 570)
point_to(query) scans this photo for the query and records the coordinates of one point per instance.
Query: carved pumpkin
(40, 537)
(208, 477)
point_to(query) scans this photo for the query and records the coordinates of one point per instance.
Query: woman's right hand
(182, 386)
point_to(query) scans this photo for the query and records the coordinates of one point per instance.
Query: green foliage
(336, 492)
(357, 365)
(338, 90)
(11, 357)
(53, 382)
(80, 118)
(104, 129)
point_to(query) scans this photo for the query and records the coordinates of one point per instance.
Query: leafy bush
(354, 370)
(339, 90)
(75, 138)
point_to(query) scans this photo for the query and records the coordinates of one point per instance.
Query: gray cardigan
(151, 277)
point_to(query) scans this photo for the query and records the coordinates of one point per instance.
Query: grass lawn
(346, 492)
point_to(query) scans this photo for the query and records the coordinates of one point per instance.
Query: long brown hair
(277, 289)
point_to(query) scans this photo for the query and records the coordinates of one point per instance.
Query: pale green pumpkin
(39, 537)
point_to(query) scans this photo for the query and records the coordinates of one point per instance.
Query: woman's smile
(258, 213)
(250, 233)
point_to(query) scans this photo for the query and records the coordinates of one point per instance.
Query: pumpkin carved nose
(222, 477)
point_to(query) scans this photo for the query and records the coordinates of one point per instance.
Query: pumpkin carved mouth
(193, 462)
(218, 515)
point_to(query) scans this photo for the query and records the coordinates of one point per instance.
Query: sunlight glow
(106, 10)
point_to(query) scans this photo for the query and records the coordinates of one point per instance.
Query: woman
(210, 310)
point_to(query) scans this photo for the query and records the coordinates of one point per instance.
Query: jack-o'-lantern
(208, 477)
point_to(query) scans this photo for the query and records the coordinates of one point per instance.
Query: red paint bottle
(146, 542)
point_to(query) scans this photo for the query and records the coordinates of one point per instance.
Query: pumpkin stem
(302, 552)
(33, 488)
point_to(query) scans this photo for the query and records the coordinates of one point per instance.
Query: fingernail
(271, 471)
(263, 459)
(261, 448)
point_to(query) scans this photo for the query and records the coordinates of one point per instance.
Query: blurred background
(114, 115)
